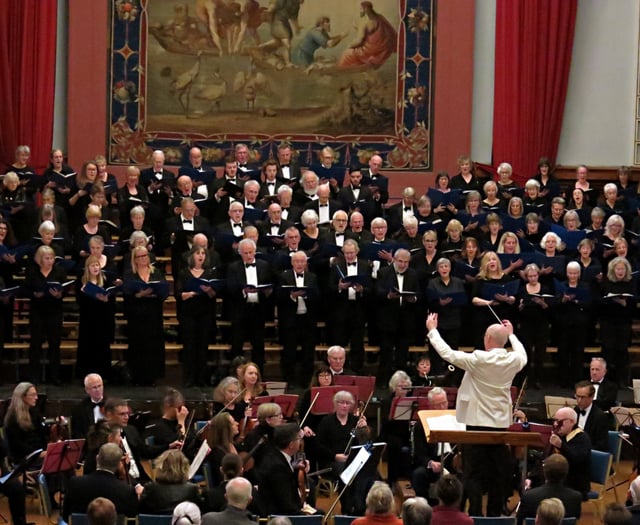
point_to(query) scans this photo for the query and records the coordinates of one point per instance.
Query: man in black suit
(401, 210)
(160, 184)
(606, 390)
(288, 168)
(324, 205)
(356, 197)
(102, 483)
(249, 306)
(282, 257)
(229, 232)
(184, 190)
(269, 182)
(398, 290)
(243, 159)
(348, 301)
(194, 169)
(378, 183)
(555, 469)
(297, 315)
(590, 417)
(89, 410)
(356, 229)
(308, 190)
(273, 229)
(290, 212)
(277, 477)
(179, 232)
(219, 198)
(574, 444)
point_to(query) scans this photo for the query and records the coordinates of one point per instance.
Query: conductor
(484, 403)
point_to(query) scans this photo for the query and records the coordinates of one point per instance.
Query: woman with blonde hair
(23, 426)
(171, 485)
(227, 396)
(381, 507)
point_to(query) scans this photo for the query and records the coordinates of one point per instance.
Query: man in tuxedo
(89, 410)
(297, 315)
(273, 229)
(270, 182)
(277, 477)
(606, 390)
(591, 418)
(324, 206)
(290, 211)
(356, 197)
(179, 232)
(336, 358)
(220, 198)
(308, 191)
(242, 158)
(282, 257)
(82, 490)
(160, 184)
(253, 207)
(555, 469)
(398, 290)
(288, 169)
(378, 183)
(184, 189)
(194, 167)
(356, 229)
(397, 213)
(349, 299)
(228, 233)
(249, 306)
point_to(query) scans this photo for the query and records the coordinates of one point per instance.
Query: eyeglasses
(578, 396)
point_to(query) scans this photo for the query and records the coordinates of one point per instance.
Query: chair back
(600, 466)
(615, 445)
(565, 521)
(501, 520)
(303, 519)
(154, 519)
(77, 518)
(341, 519)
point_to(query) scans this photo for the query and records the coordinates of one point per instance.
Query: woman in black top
(23, 427)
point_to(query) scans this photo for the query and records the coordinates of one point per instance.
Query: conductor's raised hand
(507, 324)
(432, 322)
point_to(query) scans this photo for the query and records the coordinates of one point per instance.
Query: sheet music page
(203, 451)
(354, 467)
(446, 422)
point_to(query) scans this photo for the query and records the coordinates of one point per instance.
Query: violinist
(322, 376)
(269, 417)
(220, 436)
(89, 410)
(226, 397)
(251, 382)
(170, 431)
(23, 426)
(99, 434)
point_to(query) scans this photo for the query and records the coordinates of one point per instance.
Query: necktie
(187, 221)
(249, 265)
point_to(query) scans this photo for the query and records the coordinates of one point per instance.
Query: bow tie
(187, 221)
(271, 183)
(399, 274)
(158, 173)
(339, 234)
(595, 382)
(352, 264)
(407, 208)
(323, 205)
(299, 275)
(582, 412)
(249, 265)
(242, 165)
(355, 187)
(284, 165)
(233, 181)
(237, 225)
(274, 225)
(98, 404)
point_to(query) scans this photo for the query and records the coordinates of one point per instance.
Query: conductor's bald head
(495, 337)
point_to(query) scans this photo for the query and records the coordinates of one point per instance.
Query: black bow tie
(158, 173)
(187, 221)
(237, 225)
(284, 165)
(242, 165)
(98, 404)
(407, 208)
(299, 275)
(323, 205)
(271, 183)
(352, 264)
(274, 225)
(339, 234)
(581, 412)
(399, 274)
(355, 187)
(249, 265)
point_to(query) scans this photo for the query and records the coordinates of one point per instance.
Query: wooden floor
(589, 515)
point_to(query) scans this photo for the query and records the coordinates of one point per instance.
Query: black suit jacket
(237, 280)
(578, 453)
(278, 486)
(147, 176)
(597, 426)
(286, 307)
(394, 216)
(83, 489)
(364, 203)
(387, 281)
(530, 500)
(340, 268)
(607, 394)
(293, 213)
(334, 206)
(82, 418)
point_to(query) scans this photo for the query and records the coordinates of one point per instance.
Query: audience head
(555, 468)
(279, 520)
(238, 492)
(102, 511)
(380, 499)
(550, 512)
(186, 513)
(416, 511)
(172, 466)
(616, 514)
(109, 457)
(449, 490)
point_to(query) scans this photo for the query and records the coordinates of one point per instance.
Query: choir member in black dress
(24, 427)
(534, 301)
(492, 203)
(616, 315)
(97, 320)
(613, 230)
(107, 263)
(228, 394)
(502, 303)
(571, 317)
(108, 181)
(45, 319)
(491, 238)
(549, 187)
(506, 186)
(132, 194)
(16, 205)
(472, 214)
(533, 201)
(137, 223)
(533, 231)
(554, 262)
(197, 315)
(510, 245)
(80, 198)
(143, 311)
(466, 179)
(223, 429)
(86, 231)
(8, 267)
(453, 243)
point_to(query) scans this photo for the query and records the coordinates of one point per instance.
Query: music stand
(62, 456)
(406, 408)
(365, 384)
(22, 467)
(626, 416)
(287, 403)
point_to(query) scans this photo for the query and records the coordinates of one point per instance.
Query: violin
(247, 424)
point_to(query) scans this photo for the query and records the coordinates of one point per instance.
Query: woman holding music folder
(197, 287)
(145, 289)
(45, 282)
(96, 301)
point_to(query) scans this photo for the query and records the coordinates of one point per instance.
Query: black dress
(146, 354)
(95, 333)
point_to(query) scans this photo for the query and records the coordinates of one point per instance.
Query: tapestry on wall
(350, 74)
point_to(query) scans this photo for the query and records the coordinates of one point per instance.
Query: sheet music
(354, 467)
(626, 416)
(203, 452)
(446, 422)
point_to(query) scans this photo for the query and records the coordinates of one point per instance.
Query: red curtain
(534, 43)
(28, 65)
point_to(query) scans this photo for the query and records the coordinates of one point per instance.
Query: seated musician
(88, 411)
(322, 376)
(226, 397)
(334, 439)
(221, 433)
(260, 439)
(170, 431)
(251, 382)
